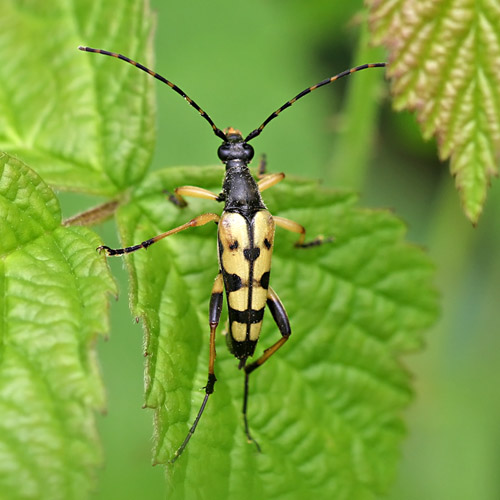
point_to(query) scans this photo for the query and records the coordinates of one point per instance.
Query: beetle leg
(261, 170)
(280, 317)
(295, 227)
(177, 198)
(267, 180)
(270, 180)
(201, 220)
(215, 308)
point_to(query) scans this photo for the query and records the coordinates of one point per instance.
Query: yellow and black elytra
(245, 243)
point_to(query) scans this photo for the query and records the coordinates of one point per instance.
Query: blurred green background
(240, 61)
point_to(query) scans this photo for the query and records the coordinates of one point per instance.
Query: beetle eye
(249, 151)
(223, 152)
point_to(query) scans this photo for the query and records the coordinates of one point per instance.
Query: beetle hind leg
(215, 309)
(281, 319)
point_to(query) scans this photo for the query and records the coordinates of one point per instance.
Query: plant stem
(353, 141)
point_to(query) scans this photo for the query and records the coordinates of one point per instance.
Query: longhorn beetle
(245, 243)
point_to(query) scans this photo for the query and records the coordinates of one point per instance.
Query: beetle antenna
(287, 104)
(217, 131)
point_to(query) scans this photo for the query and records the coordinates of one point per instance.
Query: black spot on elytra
(232, 282)
(251, 254)
(267, 243)
(264, 280)
(234, 245)
(246, 317)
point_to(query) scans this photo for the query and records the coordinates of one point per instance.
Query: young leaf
(66, 112)
(326, 408)
(53, 302)
(444, 64)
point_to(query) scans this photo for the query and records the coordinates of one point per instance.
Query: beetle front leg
(177, 197)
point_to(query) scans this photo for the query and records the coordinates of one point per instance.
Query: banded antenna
(217, 131)
(287, 104)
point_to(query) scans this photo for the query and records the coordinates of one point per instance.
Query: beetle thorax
(240, 190)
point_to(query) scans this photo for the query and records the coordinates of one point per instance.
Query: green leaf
(53, 296)
(444, 64)
(67, 112)
(326, 409)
